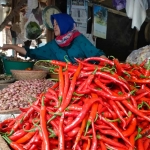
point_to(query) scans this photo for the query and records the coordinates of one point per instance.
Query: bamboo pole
(12, 14)
(49, 33)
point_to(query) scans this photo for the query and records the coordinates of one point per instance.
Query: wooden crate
(3, 144)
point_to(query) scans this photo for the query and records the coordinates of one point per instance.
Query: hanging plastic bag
(32, 28)
(138, 56)
(38, 14)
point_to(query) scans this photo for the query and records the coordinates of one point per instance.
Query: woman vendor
(68, 42)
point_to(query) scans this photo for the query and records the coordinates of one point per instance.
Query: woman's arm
(18, 49)
(44, 52)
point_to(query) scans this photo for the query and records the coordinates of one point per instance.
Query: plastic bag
(138, 56)
(38, 14)
(119, 4)
(32, 28)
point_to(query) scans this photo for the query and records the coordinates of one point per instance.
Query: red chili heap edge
(96, 107)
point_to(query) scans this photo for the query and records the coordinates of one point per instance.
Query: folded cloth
(136, 10)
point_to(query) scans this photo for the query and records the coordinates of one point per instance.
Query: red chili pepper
(132, 139)
(101, 109)
(13, 145)
(61, 143)
(24, 109)
(131, 128)
(118, 80)
(53, 122)
(113, 97)
(126, 66)
(52, 91)
(111, 142)
(107, 114)
(146, 111)
(27, 136)
(141, 95)
(100, 59)
(89, 79)
(17, 121)
(137, 73)
(53, 141)
(80, 132)
(66, 82)
(146, 144)
(55, 85)
(142, 81)
(58, 63)
(71, 113)
(71, 90)
(100, 126)
(118, 66)
(92, 113)
(133, 101)
(134, 110)
(116, 129)
(116, 109)
(32, 140)
(68, 145)
(20, 133)
(113, 147)
(143, 124)
(121, 107)
(86, 145)
(112, 133)
(101, 85)
(102, 145)
(33, 147)
(73, 132)
(81, 115)
(94, 138)
(140, 145)
(6, 123)
(43, 122)
(30, 111)
(143, 63)
(145, 131)
(61, 85)
(49, 97)
(69, 120)
(74, 107)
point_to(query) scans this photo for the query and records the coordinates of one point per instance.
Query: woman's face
(56, 28)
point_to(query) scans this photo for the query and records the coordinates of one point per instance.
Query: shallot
(21, 93)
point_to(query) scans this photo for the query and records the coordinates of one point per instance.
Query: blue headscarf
(64, 21)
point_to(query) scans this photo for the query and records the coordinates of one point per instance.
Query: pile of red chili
(91, 107)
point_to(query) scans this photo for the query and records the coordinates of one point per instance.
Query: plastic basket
(15, 65)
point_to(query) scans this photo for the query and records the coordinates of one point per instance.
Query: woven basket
(28, 75)
(35, 67)
(52, 75)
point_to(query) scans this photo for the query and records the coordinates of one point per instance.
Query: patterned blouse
(80, 47)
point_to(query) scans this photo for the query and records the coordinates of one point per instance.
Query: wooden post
(49, 33)
(12, 14)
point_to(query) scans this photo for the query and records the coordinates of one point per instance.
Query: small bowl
(29, 74)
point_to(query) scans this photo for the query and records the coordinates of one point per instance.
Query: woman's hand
(18, 49)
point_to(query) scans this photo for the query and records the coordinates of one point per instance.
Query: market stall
(96, 103)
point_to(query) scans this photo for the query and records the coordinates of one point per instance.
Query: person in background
(68, 42)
